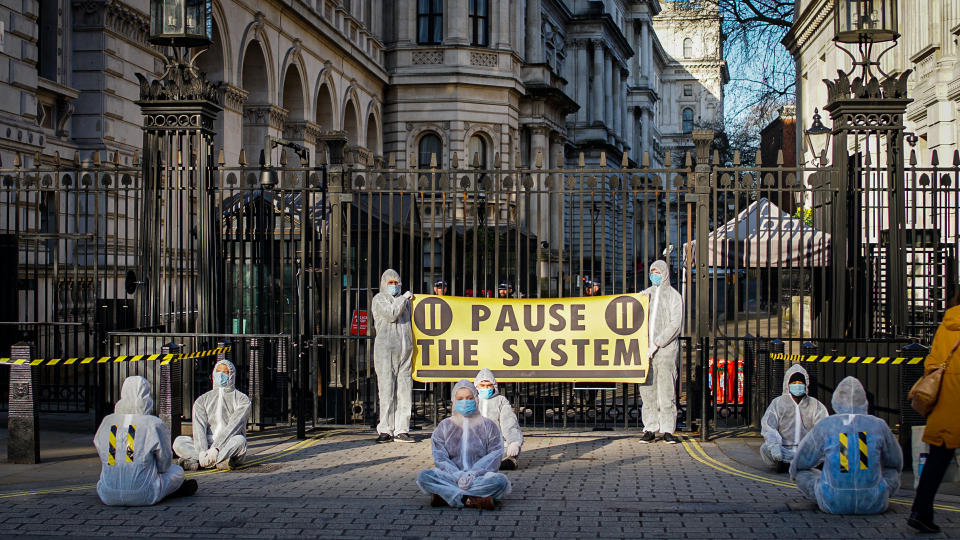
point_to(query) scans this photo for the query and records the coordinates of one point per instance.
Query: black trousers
(933, 470)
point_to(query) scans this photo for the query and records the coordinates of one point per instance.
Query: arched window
(429, 144)
(429, 22)
(687, 120)
(479, 23)
(688, 48)
(477, 147)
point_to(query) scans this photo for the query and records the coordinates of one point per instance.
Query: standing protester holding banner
(659, 408)
(392, 351)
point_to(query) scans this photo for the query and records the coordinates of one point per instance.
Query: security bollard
(170, 402)
(23, 422)
(255, 384)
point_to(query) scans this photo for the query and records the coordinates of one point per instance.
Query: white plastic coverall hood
(780, 427)
(861, 458)
(499, 410)
(134, 450)
(392, 357)
(465, 445)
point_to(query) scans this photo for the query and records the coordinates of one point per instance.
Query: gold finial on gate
(667, 160)
(476, 160)
(136, 158)
(757, 157)
(581, 161)
(736, 158)
(716, 157)
(56, 158)
(496, 160)
(243, 158)
(96, 158)
(392, 160)
(603, 159)
(454, 161)
(624, 160)
(76, 158)
(539, 161)
(780, 157)
(646, 159)
(179, 158)
(36, 159)
(688, 160)
(433, 160)
(220, 160)
(16, 160)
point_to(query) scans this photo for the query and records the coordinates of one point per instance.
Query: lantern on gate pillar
(180, 23)
(865, 21)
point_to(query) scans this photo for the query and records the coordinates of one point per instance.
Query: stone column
(596, 113)
(556, 203)
(456, 31)
(169, 399)
(617, 105)
(647, 125)
(23, 420)
(520, 14)
(534, 53)
(637, 51)
(623, 107)
(629, 121)
(608, 91)
(645, 49)
(583, 80)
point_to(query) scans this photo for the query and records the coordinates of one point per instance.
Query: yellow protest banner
(584, 339)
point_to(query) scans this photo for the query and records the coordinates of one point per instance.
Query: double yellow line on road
(300, 446)
(697, 452)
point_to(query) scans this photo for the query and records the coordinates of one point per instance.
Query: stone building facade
(928, 46)
(492, 79)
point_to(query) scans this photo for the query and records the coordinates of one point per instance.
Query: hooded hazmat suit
(498, 409)
(785, 422)
(659, 407)
(466, 452)
(861, 457)
(392, 357)
(219, 425)
(134, 449)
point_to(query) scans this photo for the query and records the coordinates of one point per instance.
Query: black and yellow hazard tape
(164, 359)
(880, 360)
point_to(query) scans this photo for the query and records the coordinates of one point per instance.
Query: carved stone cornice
(301, 131)
(113, 16)
(265, 115)
(233, 97)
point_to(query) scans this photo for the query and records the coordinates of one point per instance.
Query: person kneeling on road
(466, 454)
(219, 425)
(861, 458)
(135, 453)
(788, 418)
(498, 409)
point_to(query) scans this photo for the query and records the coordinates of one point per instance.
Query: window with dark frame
(480, 23)
(429, 22)
(687, 120)
(47, 41)
(430, 144)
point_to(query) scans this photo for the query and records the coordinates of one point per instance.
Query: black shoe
(922, 525)
(648, 437)
(403, 437)
(669, 438)
(508, 464)
(384, 438)
(783, 467)
(186, 489)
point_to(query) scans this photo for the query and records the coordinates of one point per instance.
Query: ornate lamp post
(179, 109)
(867, 115)
(817, 137)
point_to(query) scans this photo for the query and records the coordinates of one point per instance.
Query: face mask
(486, 393)
(393, 290)
(798, 389)
(466, 407)
(220, 378)
(656, 279)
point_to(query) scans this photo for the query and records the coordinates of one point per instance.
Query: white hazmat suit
(466, 456)
(785, 422)
(219, 425)
(665, 311)
(392, 357)
(135, 453)
(861, 458)
(500, 411)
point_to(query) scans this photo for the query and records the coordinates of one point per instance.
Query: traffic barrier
(889, 360)
(164, 359)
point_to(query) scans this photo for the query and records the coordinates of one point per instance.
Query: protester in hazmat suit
(788, 418)
(496, 407)
(665, 311)
(219, 424)
(392, 358)
(135, 453)
(861, 457)
(466, 454)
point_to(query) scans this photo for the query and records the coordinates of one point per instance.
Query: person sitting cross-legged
(219, 425)
(466, 454)
(861, 458)
(788, 418)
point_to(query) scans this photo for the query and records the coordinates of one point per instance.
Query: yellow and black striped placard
(888, 360)
(164, 359)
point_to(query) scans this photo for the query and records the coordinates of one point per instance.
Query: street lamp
(864, 23)
(180, 23)
(817, 136)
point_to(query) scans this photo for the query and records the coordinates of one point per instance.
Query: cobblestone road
(571, 485)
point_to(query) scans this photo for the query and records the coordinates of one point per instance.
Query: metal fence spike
(36, 159)
(116, 158)
(603, 159)
(496, 160)
(17, 162)
(392, 160)
(757, 157)
(283, 157)
(539, 162)
(433, 160)
(913, 158)
(263, 157)
(688, 160)
(716, 157)
(581, 162)
(76, 158)
(780, 157)
(243, 158)
(736, 158)
(56, 159)
(934, 158)
(625, 160)
(476, 160)
(646, 159)
(136, 158)
(956, 158)
(96, 158)
(454, 161)
(220, 159)
(667, 160)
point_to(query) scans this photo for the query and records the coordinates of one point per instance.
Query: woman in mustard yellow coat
(943, 424)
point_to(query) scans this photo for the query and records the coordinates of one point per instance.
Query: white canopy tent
(763, 236)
